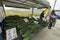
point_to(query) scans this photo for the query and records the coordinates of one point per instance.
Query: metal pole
(54, 4)
(32, 11)
(49, 11)
(3, 7)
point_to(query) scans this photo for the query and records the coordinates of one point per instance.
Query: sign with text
(11, 34)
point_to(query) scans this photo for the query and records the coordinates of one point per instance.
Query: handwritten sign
(11, 34)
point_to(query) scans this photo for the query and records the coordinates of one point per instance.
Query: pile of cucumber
(26, 29)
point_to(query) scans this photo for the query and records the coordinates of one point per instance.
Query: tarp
(25, 3)
(45, 2)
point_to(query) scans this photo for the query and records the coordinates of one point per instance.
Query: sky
(57, 6)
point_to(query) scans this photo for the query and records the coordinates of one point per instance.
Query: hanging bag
(53, 16)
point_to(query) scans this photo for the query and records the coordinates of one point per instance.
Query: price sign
(11, 34)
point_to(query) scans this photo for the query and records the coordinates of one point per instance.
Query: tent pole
(3, 7)
(54, 4)
(49, 12)
(32, 11)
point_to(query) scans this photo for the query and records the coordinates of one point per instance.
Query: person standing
(42, 15)
(41, 18)
(52, 19)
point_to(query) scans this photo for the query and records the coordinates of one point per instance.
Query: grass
(21, 13)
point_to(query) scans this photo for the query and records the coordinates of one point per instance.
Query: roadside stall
(21, 28)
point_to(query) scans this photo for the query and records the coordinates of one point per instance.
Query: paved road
(49, 34)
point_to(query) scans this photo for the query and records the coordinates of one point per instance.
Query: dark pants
(50, 25)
